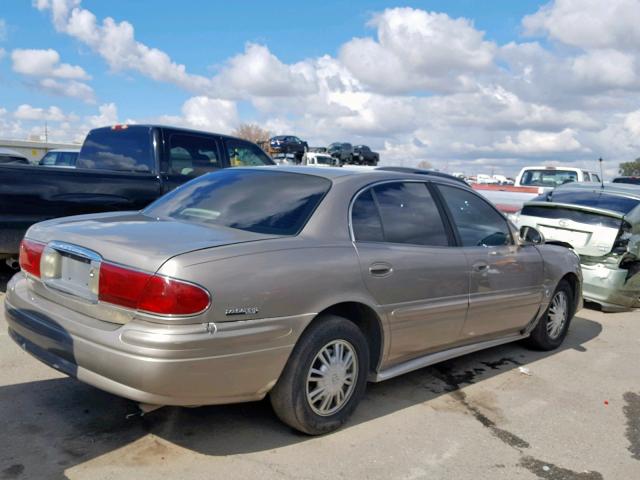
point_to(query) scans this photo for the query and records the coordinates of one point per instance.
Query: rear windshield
(123, 150)
(593, 199)
(579, 216)
(259, 201)
(548, 178)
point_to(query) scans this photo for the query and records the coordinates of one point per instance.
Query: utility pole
(46, 132)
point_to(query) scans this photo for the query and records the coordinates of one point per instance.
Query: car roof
(64, 150)
(385, 173)
(172, 127)
(625, 189)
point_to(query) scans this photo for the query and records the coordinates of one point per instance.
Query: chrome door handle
(380, 269)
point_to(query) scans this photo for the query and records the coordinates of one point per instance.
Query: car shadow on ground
(69, 423)
(6, 273)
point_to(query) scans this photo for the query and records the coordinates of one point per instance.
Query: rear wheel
(552, 328)
(324, 378)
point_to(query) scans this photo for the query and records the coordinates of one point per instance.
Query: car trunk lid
(589, 231)
(137, 240)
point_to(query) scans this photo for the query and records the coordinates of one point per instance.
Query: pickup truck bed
(118, 168)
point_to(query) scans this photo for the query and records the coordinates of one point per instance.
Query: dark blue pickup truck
(123, 167)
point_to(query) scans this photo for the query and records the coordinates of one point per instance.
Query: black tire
(289, 395)
(541, 337)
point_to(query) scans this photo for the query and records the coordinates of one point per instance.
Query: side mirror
(531, 235)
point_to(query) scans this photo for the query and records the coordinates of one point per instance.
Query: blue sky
(205, 33)
(462, 84)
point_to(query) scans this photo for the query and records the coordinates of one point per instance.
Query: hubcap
(558, 313)
(332, 376)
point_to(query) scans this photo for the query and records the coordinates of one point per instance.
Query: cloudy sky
(469, 86)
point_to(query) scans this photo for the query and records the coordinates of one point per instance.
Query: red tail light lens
(30, 255)
(121, 286)
(150, 293)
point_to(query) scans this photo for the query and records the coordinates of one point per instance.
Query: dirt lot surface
(505, 413)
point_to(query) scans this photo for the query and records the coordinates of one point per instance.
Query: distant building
(34, 150)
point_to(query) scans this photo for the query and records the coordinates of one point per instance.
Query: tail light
(150, 293)
(622, 240)
(30, 255)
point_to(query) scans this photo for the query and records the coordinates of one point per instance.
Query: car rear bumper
(151, 363)
(612, 288)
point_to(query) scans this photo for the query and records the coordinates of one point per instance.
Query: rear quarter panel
(273, 278)
(559, 262)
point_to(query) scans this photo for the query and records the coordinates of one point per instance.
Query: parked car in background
(203, 297)
(60, 158)
(629, 180)
(8, 156)
(602, 225)
(314, 159)
(363, 155)
(318, 149)
(288, 144)
(342, 151)
(118, 168)
(530, 182)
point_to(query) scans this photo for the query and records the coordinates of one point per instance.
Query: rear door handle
(480, 267)
(380, 269)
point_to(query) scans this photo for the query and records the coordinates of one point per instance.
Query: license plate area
(71, 269)
(574, 237)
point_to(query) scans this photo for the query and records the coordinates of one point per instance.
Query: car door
(188, 155)
(506, 279)
(415, 275)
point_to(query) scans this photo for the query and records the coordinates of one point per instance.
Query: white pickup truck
(531, 182)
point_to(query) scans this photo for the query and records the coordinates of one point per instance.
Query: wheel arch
(574, 282)
(367, 320)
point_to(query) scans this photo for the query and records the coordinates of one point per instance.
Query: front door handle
(380, 269)
(480, 267)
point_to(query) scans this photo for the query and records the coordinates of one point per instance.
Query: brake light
(622, 239)
(30, 255)
(150, 293)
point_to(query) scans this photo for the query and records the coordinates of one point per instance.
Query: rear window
(629, 180)
(548, 178)
(122, 150)
(579, 216)
(258, 201)
(594, 199)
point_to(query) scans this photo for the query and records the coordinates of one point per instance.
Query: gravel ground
(505, 413)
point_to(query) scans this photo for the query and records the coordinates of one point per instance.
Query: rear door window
(118, 149)
(49, 159)
(365, 219)
(245, 154)
(399, 212)
(192, 155)
(478, 223)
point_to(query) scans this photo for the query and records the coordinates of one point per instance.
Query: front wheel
(325, 377)
(552, 328)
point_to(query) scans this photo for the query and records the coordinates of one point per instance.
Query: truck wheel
(552, 328)
(325, 377)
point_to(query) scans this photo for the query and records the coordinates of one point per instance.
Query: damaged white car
(602, 224)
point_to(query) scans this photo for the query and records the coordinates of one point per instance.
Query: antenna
(601, 176)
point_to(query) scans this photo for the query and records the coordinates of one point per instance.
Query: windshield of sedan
(548, 178)
(260, 201)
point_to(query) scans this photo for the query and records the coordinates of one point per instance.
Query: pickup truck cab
(531, 182)
(552, 177)
(122, 167)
